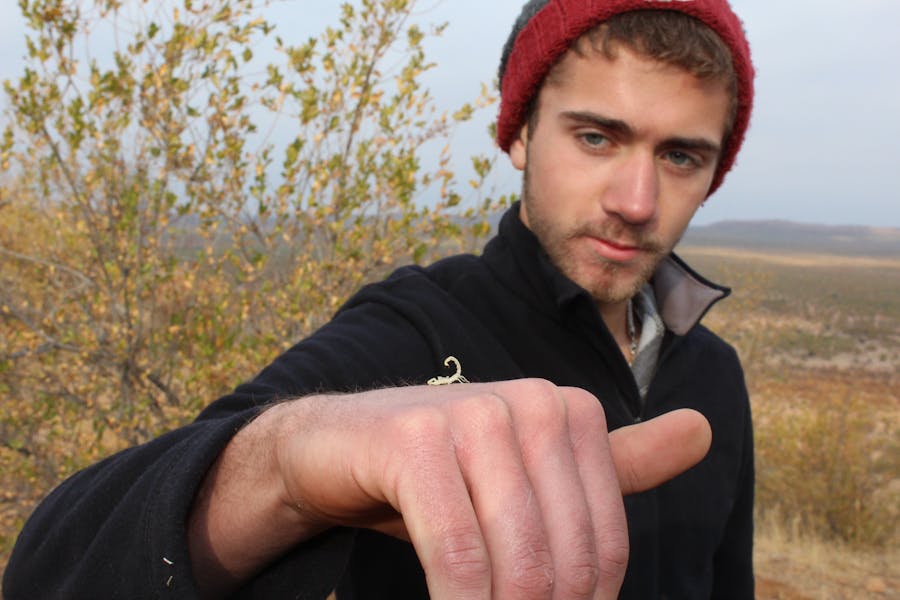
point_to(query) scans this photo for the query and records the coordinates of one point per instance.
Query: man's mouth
(615, 251)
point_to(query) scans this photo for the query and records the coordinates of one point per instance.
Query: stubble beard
(607, 282)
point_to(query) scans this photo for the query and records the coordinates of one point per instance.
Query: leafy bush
(162, 237)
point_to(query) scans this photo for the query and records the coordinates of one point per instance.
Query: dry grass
(793, 566)
(828, 491)
(828, 456)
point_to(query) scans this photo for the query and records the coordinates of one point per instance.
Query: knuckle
(464, 559)
(489, 413)
(613, 556)
(417, 440)
(533, 574)
(578, 569)
(586, 418)
(539, 409)
(586, 407)
(629, 477)
(578, 575)
(545, 403)
(537, 389)
(423, 424)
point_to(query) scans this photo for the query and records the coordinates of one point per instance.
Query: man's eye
(594, 139)
(681, 159)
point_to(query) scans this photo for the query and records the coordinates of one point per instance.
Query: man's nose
(633, 192)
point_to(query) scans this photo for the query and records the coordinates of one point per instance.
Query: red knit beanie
(546, 28)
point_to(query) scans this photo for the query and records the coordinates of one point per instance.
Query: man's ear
(518, 150)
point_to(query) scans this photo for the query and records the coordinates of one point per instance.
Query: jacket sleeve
(733, 562)
(118, 528)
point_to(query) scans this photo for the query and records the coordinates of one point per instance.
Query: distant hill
(798, 237)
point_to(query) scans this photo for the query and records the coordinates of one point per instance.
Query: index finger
(438, 514)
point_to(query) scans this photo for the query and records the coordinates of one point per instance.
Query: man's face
(622, 154)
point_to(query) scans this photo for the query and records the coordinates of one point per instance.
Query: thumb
(651, 453)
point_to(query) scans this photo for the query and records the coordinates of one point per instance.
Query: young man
(624, 115)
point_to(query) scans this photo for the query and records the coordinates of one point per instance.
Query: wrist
(242, 518)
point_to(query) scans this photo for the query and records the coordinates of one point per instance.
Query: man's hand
(506, 490)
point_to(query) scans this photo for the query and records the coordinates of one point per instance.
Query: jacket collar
(683, 296)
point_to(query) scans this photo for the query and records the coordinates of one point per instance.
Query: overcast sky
(824, 143)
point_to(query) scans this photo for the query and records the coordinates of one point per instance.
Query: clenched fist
(506, 490)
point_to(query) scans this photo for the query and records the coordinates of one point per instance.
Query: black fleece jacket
(117, 529)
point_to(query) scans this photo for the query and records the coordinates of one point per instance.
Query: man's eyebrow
(591, 118)
(702, 145)
(699, 144)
